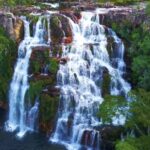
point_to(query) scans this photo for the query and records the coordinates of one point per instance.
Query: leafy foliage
(131, 143)
(7, 55)
(124, 145)
(139, 118)
(148, 9)
(48, 107)
(138, 51)
(16, 2)
(137, 41)
(111, 107)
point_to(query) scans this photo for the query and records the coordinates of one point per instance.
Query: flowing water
(80, 81)
(19, 115)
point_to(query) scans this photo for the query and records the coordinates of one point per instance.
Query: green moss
(48, 107)
(56, 32)
(39, 59)
(8, 51)
(53, 65)
(36, 87)
(55, 21)
(131, 143)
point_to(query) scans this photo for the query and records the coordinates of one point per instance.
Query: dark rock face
(3, 108)
(109, 134)
(12, 25)
(118, 16)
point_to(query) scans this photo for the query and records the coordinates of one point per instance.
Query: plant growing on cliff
(48, 107)
(148, 9)
(7, 55)
(137, 118)
(111, 107)
(12, 3)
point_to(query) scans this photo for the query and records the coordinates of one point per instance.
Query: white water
(20, 116)
(80, 81)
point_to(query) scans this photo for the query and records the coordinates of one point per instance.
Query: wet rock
(41, 48)
(106, 82)
(90, 138)
(52, 91)
(3, 105)
(60, 29)
(63, 60)
(110, 134)
(3, 111)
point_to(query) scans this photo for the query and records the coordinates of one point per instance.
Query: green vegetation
(131, 143)
(120, 2)
(137, 118)
(48, 108)
(12, 3)
(137, 41)
(8, 52)
(110, 106)
(48, 99)
(36, 87)
(148, 9)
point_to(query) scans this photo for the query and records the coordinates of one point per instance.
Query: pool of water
(36, 141)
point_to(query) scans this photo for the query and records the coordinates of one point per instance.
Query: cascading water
(19, 115)
(80, 81)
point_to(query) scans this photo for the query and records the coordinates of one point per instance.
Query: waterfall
(20, 116)
(80, 81)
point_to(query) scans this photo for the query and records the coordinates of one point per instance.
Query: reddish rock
(67, 40)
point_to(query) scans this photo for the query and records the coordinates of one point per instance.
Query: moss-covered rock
(60, 28)
(106, 82)
(43, 86)
(8, 51)
(48, 110)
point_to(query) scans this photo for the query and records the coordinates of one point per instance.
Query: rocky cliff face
(13, 26)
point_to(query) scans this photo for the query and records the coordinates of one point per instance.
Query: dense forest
(135, 133)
